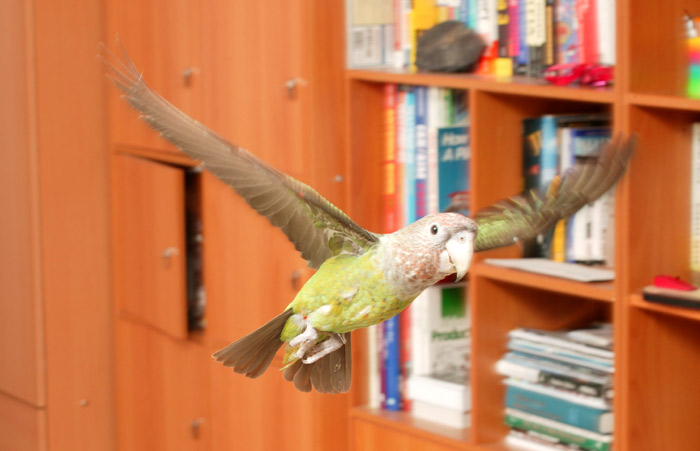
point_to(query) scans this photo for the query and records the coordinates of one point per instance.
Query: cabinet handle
(168, 255)
(292, 85)
(196, 427)
(187, 75)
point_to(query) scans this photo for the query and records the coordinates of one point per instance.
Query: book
(567, 32)
(440, 331)
(566, 395)
(564, 355)
(565, 433)
(556, 374)
(444, 400)
(560, 339)
(453, 169)
(392, 364)
(370, 33)
(563, 270)
(558, 409)
(695, 204)
(679, 298)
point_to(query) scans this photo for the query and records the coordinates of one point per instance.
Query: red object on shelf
(673, 283)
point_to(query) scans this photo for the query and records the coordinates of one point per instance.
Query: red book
(587, 31)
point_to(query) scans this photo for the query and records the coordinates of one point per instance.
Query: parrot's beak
(460, 248)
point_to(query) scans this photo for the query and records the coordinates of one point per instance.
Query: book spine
(588, 33)
(503, 29)
(389, 159)
(421, 152)
(392, 363)
(536, 36)
(513, 28)
(557, 409)
(565, 433)
(567, 32)
(550, 46)
(695, 205)
(434, 122)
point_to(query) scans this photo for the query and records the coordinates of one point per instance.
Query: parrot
(362, 278)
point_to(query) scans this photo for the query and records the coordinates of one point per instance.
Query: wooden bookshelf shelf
(664, 101)
(405, 423)
(522, 86)
(637, 301)
(600, 291)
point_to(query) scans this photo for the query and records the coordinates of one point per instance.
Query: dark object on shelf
(670, 296)
(449, 47)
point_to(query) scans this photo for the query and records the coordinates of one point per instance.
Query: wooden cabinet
(259, 83)
(163, 38)
(150, 248)
(162, 390)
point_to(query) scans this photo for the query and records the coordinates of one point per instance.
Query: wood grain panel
(21, 309)
(74, 199)
(22, 426)
(162, 38)
(161, 391)
(150, 243)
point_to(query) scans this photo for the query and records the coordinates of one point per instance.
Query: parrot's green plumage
(363, 278)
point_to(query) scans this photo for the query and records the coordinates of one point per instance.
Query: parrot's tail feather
(252, 354)
(330, 374)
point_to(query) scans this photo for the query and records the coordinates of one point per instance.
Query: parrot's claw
(324, 348)
(305, 341)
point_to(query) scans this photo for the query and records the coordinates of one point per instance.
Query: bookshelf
(657, 347)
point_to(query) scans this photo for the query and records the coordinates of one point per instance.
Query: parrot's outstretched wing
(523, 217)
(316, 227)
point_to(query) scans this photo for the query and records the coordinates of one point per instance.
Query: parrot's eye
(434, 229)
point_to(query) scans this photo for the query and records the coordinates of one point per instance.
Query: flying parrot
(362, 278)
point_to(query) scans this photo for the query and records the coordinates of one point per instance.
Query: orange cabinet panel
(22, 427)
(150, 243)
(161, 391)
(162, 38)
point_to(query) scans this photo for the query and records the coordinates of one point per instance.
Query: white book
(695, 204)
(605, 15)
(374, 378)
(441, 415)
(440, 392)
(548, 267)
(561, 340)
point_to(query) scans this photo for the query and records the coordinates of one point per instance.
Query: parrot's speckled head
(428, 250)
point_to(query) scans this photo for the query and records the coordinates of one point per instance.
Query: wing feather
(309, 221)
(523, 217)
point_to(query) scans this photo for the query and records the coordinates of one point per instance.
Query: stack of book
(551, 146)
(522, 36)
(440, 345)
(426, 170)
(559, 388)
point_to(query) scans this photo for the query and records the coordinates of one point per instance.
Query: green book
(565, 433)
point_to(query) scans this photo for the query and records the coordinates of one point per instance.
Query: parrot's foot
(305, 340)
(324, 348)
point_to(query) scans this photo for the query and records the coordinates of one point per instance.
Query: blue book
(410, 157)
(392, 364)
(540, 167)
(421, 160)
(558, 409)
(453, 169)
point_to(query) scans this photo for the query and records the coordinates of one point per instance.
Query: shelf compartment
(524, 86)
(655, 232)
(600, 291)
(496, 309)
(370, 426)
(637, 301)
(660, 383)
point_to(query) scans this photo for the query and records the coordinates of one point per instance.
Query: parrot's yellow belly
(347, 293)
